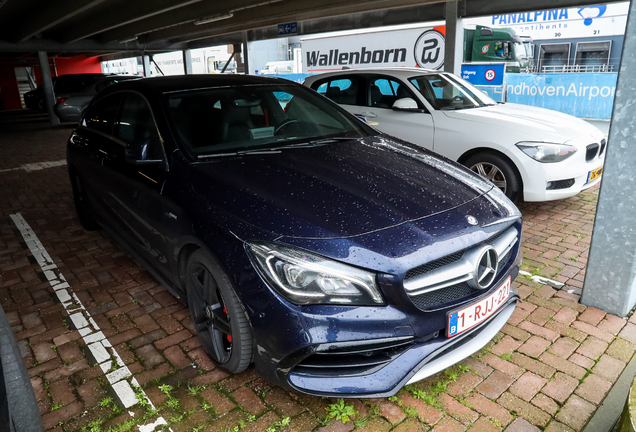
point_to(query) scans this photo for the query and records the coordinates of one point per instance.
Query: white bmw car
(530, 153)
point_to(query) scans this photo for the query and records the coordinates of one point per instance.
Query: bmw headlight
(304, 278)
(547, 152)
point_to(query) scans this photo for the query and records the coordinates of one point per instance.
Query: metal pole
(245, 55)
(610, 279)
(47, 84)
(454, 50)
(146, 61)
(187, 62)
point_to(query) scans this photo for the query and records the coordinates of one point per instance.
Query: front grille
(428, 267)
(560, 184)
(427, 298)
(448, 259)
(442, 296)
(355, 359)
(603, 144)
(591, 152)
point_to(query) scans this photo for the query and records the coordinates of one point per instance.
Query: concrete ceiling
(116, 26)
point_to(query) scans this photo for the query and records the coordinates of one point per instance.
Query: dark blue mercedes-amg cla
(341, 261)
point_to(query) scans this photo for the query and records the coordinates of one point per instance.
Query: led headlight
(304, 278)
(547, 152)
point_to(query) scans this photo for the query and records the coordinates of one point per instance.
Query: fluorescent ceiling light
(128, 40)
(213, 18)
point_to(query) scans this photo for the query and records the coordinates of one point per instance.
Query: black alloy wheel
(82, 206)
(218, 315)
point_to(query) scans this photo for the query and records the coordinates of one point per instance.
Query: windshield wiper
(273, 150)
(240, 153)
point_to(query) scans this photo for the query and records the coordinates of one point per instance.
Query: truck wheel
(499, 171)
(217, 313)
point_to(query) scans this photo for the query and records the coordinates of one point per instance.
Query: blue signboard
(288, 29)
(491, 74)
(583, 95)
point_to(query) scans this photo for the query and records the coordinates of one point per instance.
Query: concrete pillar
(47, 84)
(245, 54)
(187, 62)
(146, 60)
(454, 53)
(610, 278)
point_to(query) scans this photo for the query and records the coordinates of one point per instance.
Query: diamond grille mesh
(453, 292)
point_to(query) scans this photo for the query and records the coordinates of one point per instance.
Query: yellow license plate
(593, 175)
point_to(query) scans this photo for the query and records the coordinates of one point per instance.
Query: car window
(448, 92)
(342, 91)
(136, 125)
(383, 92)
(101, 115)
(259, 116)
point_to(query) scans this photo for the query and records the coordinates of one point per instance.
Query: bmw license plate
(461, 320)
(593, 175)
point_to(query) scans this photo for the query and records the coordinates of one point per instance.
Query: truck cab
(485, 44)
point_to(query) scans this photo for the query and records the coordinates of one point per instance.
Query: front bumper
(420, 360)
(536, 175)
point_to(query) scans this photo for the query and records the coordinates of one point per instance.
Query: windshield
(520, 51)
(448, 92)
(251, 117)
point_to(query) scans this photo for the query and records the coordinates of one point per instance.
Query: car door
(414, 125)
(138, 170)
(347, 91)
(92, 141)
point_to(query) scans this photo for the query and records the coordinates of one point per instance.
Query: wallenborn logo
(429, 50)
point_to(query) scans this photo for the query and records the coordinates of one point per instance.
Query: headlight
(304, 278)
(547, 152)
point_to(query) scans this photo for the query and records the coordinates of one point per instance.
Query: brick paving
(548, 369)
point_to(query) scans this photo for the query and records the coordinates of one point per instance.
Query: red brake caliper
(229, 338)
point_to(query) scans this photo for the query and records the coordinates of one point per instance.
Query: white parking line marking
(37, 166)
(542, 280)
(99, 346)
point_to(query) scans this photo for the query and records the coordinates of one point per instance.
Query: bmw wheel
(218, 315)
(499, 171)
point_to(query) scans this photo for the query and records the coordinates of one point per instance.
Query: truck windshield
(215, 121)
(448, 92)
(520, 51)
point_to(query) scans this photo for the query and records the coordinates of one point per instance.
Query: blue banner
(484, 74)
(583, 95)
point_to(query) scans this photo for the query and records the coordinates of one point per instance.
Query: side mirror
(406, 104)
(361, 117)
(137, 154)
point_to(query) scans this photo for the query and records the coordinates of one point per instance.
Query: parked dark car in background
(73, 92)
(340, 261)
(71, 101)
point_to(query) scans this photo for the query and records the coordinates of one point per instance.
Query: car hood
(530, 123)
(336, 190)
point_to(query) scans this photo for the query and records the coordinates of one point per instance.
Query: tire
(498, 170)
(82, 206)
(218, 315)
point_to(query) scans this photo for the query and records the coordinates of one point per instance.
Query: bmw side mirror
(408, 105)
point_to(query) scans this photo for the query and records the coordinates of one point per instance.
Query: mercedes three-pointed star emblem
(485, 268)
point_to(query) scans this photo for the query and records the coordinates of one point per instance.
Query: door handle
(369, 114)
